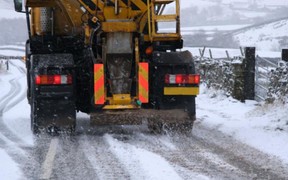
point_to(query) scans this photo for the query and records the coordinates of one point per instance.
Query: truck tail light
(182, 78)
(53, 79)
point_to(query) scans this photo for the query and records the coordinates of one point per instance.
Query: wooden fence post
(249, 73)
(284, 55)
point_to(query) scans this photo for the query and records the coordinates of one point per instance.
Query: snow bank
(262, 126)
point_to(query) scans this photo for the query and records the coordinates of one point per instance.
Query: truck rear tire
(186, 126)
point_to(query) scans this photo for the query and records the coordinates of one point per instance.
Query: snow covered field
(209, 30)
(264, 37)
(264, 127)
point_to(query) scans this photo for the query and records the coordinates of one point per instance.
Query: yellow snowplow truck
(117, 60)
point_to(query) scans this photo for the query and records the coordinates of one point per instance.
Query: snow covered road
(133, 153)
(129, 152)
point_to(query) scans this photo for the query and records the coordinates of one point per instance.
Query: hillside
(271, 36)
(229, 12)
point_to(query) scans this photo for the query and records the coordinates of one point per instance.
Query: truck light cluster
(53, 79)
(182, 78)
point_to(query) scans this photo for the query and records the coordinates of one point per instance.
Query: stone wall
(278, 83)
(224, 74)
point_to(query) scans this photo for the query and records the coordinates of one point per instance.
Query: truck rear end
(110, 59)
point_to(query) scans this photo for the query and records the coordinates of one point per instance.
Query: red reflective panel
(50, 80)
(57, 79)
(185, 79)
(69, 79)
(53, 79)
(179, 79)
(197, 79)
(38, 80)
(167, 77)
(182, 79)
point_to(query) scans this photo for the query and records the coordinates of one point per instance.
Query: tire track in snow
(250, 160)
(70, 160)
(9, 141)
(189, 159)
(17, 154)
(140, 163)
(162, 145)
(7, 97)
(105, 165)
(10, 100)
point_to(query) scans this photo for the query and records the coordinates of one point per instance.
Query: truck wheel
(190, 107)
(186, 126)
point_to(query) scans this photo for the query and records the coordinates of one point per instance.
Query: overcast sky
(186, 3)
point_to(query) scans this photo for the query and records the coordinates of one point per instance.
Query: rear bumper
(181, 91)
(139, 116)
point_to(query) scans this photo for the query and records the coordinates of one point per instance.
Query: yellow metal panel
(130, 106)
(119, 26)
(35, 22)
(181, 90)
(166, 18)
(67, 18)
(121, 99)
(109, 13)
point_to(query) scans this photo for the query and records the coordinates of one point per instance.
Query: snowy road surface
(127, 152)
